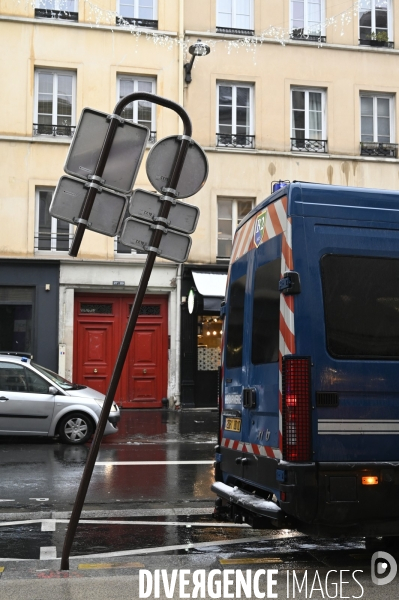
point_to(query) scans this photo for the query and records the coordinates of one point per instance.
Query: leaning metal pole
(120, 361)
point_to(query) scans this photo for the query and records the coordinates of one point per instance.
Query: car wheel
(75, 428)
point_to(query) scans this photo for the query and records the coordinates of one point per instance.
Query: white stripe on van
(269, 227)
(282, 217)
(358, 426)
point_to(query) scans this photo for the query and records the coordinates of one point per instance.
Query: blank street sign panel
(137, 234)
(146, 205)
(106, 215)
(126, 153)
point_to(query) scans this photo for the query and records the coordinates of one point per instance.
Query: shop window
(16, 312)
(209, 342)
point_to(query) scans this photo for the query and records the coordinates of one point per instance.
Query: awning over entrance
(210, 285)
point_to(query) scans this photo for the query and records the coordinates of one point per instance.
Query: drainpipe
(178, 331)
(181, 60)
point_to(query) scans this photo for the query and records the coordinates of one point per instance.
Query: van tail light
(296, 408)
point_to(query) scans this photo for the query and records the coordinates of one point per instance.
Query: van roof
(335, 201)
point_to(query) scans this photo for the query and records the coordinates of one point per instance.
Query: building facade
(291, 90)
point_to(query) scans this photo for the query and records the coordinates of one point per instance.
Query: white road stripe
(183, 547)
(48, 553)
(153, 462)
(7, 500)
(49, 525)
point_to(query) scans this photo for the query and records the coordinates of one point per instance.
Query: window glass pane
(243, 20)
(383, 107)
(146, 9)
(381, 20)
(44, 233)
(243, 208)
(298, 11)
(298, 100)
(366, 105)
(367, 129)
(127, 9)
(225, 94)
(362, 321)
(242, 96)
(224, 248)
(16, 327)
(298, 119)
(62, 244)
(242, 118)
(225, 115)
(266, 313)
(235, 323)
(12, 378)
(225, 17)
(36, 384)
(225, 209)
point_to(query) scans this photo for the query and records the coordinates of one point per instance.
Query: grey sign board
(137, 234)
(126, 153)
(106, 215)
(161, 160)
(146, 205)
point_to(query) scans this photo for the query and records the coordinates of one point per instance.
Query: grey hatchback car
(36, 401)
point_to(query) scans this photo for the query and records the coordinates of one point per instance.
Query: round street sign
(160, 162)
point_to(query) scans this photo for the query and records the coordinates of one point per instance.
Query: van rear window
(361, 304)
(266, 313)
(235, 323)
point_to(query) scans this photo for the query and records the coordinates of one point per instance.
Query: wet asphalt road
(146, 512)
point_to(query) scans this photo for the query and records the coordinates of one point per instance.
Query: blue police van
(309, 407)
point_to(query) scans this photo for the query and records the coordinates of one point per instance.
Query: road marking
(40, 499)
(48, 553)
(131, 565)
(1, 500)
(152, 462)
(179, 547)
(249, 561)
(50, 524)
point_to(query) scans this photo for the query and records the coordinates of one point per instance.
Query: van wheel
(75, 428)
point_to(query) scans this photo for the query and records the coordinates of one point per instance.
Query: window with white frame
(60, 9)
(377, 125)
(235, 15)
(140, 111)
(375, 24)
(55, 103)
(231, 211)
(51, 235)
(139, 12)
(235, 115)
(307, 18)
(308, 120)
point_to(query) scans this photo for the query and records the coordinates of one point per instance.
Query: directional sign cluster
(114, 187)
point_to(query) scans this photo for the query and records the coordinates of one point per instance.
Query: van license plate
(233, 425)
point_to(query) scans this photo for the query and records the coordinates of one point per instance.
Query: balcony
(53, 130)
(378, 149)
(233, 31)
(146, 23)
(48, 13)
(307, 145)
(298, 34)
(376, 43)
(235, 140)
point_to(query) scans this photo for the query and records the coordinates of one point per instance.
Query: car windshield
(60, 381)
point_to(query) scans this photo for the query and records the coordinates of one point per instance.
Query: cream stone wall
(98, 51)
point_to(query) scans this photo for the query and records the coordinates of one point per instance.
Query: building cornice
(289, 42)
(64, 23)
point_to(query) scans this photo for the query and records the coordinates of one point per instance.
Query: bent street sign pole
(152, 254)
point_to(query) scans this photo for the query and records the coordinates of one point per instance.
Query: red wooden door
(100, 322)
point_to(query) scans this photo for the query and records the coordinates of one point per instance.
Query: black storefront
(202, 292)
(29, 300)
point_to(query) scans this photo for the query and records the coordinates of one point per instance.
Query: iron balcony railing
(235, 140)
(298, 34)
(49, 13)
(378, 149)
(376, 43)
(307, 145)
(54, 130)
(57, 242)
(147, 23)
(234, 31)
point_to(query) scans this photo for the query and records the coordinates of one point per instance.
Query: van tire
(75, 428)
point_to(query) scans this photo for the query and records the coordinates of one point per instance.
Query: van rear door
(350, 300)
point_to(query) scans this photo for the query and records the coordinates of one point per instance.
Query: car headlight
(114, 407)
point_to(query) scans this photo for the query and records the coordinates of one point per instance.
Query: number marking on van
(233, 425)
(260, 228)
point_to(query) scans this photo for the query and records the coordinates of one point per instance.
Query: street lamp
(197, 49)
